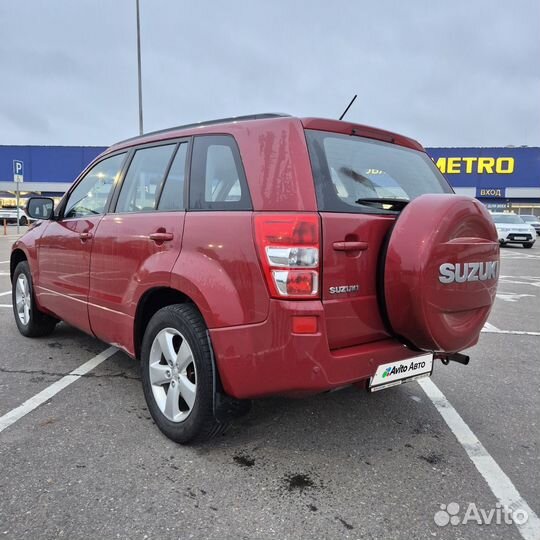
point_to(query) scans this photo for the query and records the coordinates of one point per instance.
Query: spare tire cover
(440, 272)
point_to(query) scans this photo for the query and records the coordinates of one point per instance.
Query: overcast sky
(448, 73)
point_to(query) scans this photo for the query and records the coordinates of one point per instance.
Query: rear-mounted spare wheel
(440, 272)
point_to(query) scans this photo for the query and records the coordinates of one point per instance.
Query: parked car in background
(532, 220)
(257, 256)
(513, 230)
(9, 213)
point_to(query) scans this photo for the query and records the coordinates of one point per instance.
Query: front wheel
(30, 321)
(23, 221)
(528, 245)
(178, 375)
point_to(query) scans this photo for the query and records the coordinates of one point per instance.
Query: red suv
(260, 255)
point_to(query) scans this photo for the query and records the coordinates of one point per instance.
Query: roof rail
(260, 116)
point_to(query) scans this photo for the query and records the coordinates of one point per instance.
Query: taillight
(289, 251)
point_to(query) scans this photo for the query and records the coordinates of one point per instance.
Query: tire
(528, 245)
(183, 409)
(23, 221)
(30, 321)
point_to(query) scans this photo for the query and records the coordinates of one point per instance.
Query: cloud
(447, 73)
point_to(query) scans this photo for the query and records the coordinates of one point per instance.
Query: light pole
(139, 69)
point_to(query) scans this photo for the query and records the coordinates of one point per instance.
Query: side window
(142, 184)
(90, 196)
(217, 176)
(172, 195)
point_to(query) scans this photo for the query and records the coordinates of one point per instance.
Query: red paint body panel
(64, 269)
(336, 126)
(125, 264)
(266, 359)
(219, 270)
(29, 246)
(352, 318)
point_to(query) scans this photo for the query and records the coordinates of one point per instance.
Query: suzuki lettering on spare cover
(473, 271)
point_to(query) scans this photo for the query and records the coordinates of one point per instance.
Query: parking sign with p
(18, 170)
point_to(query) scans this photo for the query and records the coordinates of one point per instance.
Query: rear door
(137, 243)
(361, 185)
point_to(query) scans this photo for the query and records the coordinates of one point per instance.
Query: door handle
(161, 236)
(85, 236)
(350, 246)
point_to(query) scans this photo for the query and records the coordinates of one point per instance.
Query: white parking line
(512, 332)
(4, 273)
(513, 297)
(4, 262)
(5, 293)
(488, 327)
(29, 405)
(498, 482)
(520, 282)
(6, 305)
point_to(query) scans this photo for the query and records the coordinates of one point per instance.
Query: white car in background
(10, 215)
(513, 230)
(532, 220)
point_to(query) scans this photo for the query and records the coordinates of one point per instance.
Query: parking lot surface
(89, 462)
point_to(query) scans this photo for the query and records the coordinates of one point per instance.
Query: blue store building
(502, 178)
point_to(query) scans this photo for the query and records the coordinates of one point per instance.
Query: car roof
(221, 125)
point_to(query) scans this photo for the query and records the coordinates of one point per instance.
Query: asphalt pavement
(90, 463)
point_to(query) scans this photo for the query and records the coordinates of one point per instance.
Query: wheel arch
(150, 303)
(225, 407)
(17, 256)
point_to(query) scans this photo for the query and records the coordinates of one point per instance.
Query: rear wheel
(30, 321)
(23, 220)
(177, 375)
(528, 245)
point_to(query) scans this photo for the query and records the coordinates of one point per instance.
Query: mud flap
(226, 408)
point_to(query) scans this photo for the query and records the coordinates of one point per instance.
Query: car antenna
(348, 107)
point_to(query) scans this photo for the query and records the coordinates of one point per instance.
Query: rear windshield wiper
(374, 201)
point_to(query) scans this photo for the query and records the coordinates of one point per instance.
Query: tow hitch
(454, 357)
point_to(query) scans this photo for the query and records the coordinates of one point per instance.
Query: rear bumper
(267, 358)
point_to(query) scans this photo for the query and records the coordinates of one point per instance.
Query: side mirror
(40, 207)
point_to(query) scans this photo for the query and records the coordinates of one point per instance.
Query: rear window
(352, 174)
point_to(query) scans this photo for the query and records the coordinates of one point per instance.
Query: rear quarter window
(347, 169)
(217, 180)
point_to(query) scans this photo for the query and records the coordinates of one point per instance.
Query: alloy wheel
(23, 299)
(173, 374)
